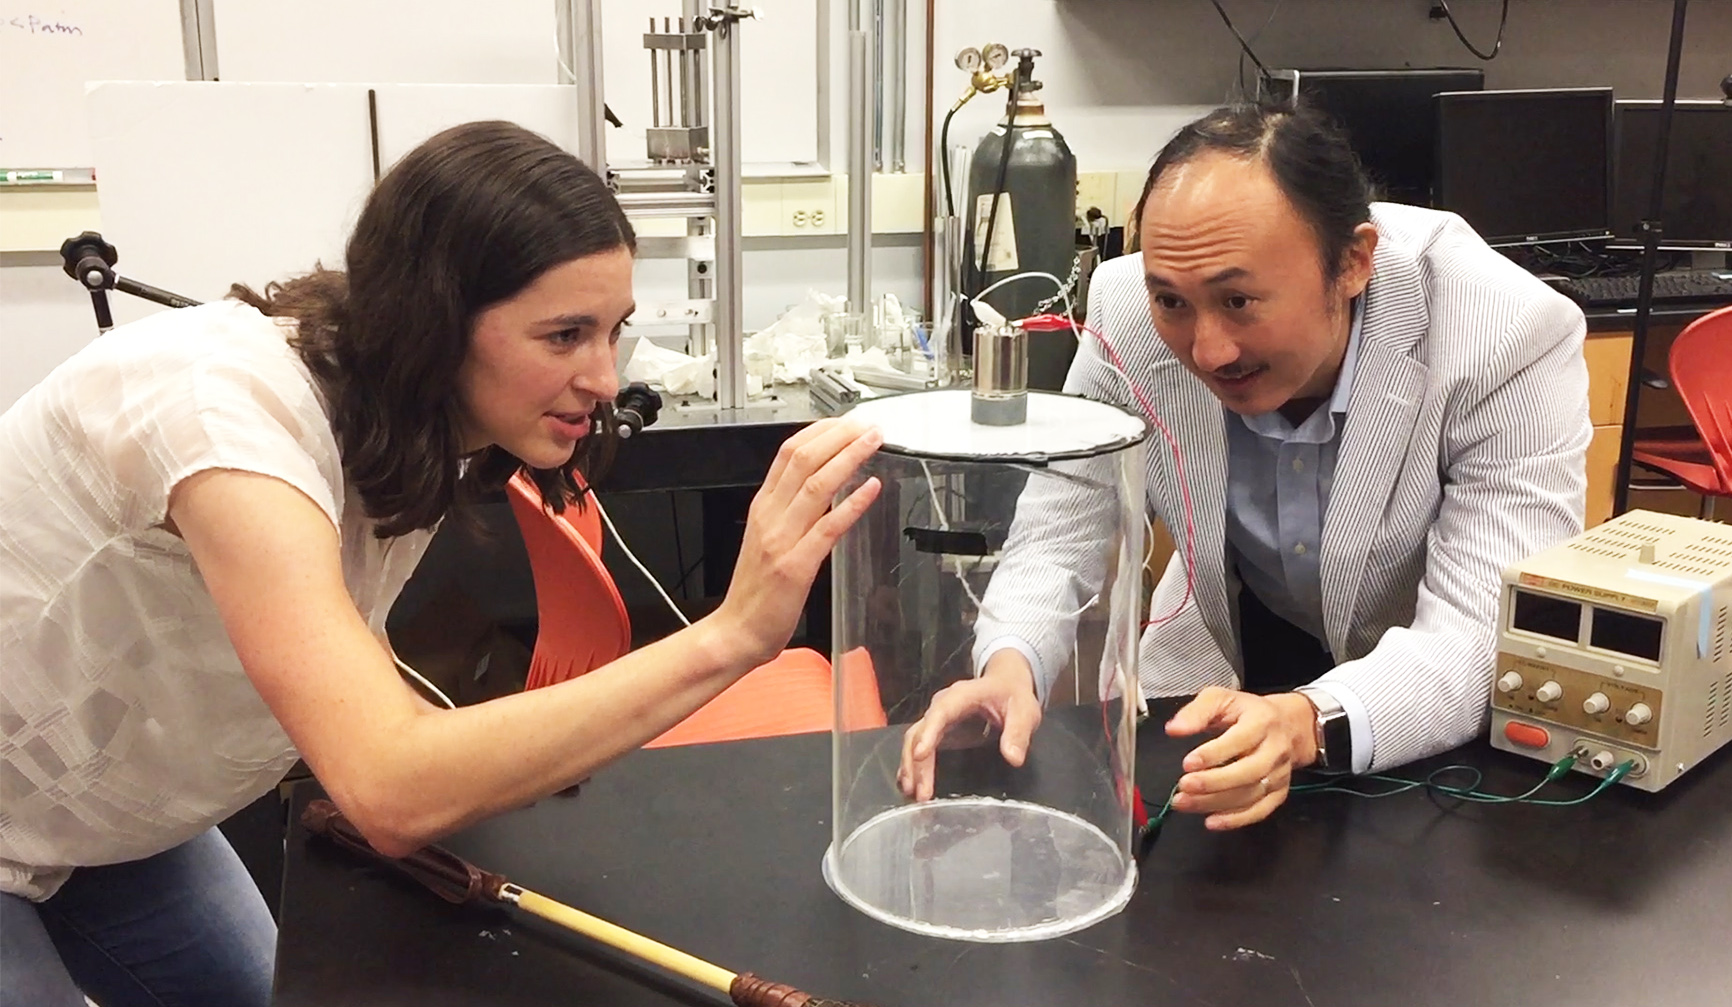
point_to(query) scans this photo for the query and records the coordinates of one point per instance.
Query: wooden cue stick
(619, 938)
(456, 880)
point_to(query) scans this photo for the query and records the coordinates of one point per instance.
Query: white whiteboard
(515, 42)
(49, 48)
(363, 41)
(205, 184)
(208, 184)
(410, 113)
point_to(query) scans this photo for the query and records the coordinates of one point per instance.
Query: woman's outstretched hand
(792, 527)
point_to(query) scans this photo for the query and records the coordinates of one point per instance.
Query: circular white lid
(938, 424)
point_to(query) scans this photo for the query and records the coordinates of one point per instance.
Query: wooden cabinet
(1608, 356)
(1602, 471)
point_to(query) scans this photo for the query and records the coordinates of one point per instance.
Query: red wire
(1053, 323)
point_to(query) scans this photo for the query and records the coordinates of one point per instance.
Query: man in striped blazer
(1377, 413)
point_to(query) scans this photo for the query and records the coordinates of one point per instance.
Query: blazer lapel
(1197, 422)
(1388, 388)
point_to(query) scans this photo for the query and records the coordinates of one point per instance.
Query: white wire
(1130, 389)
(1106, 360)
(961, 578)
(932, 487)
(681, 616)
(1076, 666)
(1023, 276)
(1069, 313)
(422, 681)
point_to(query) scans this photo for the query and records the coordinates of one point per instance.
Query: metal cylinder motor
(1000, 375)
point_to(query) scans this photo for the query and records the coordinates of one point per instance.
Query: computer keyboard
(1706, 286)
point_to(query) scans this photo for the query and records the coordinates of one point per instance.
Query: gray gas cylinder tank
(1040, 207)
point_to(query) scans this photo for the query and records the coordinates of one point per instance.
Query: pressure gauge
(968, 60)
(996, 55)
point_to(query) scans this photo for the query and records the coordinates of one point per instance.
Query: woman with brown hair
(205, 517)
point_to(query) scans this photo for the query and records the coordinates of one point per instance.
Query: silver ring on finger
(1263, 787)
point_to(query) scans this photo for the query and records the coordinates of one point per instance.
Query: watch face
(1337, 734)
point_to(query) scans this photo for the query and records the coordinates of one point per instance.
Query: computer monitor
(1527, 167)
(1387, 115)
(1696, 210)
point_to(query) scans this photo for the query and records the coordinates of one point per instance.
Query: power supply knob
(1638, 715)
(1596, 704)
(1550, 692)
(1510, 682)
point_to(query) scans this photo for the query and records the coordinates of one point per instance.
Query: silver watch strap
(1334, 733)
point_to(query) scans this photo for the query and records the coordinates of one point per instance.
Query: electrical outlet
(808, 208)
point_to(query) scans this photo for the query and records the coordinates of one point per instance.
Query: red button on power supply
(1527, 735)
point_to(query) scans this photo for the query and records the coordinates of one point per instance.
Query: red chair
(1701, 457)
(583, 622)
(584, 625)
(790, 695)
(585, 521)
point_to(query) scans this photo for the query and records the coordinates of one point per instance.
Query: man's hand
(1241, 776)
(964, 713)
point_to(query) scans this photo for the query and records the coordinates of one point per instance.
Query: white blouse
(128, 724)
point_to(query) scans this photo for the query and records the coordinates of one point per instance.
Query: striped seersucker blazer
(1463, 451)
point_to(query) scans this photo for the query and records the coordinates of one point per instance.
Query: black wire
(1246, 46)
(679, 547)
(1239, 74)
(1580, 259)
(686, 575)
(1003, 173)
(1502, 20)
(944, 162)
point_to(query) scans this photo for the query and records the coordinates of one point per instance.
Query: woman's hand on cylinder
(791, 528)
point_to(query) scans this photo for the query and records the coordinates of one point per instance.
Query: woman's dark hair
(1309, 156)
(464, 221)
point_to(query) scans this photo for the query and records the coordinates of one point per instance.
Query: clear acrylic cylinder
(984, 534)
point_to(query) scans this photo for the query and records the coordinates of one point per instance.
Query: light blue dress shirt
(1278, 481)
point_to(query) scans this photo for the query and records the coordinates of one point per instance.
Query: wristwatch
(1334, 731)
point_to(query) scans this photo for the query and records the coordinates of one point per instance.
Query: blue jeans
(185, 927)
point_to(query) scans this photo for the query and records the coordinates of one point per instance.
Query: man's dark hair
(1309, 156)
(464, 221)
